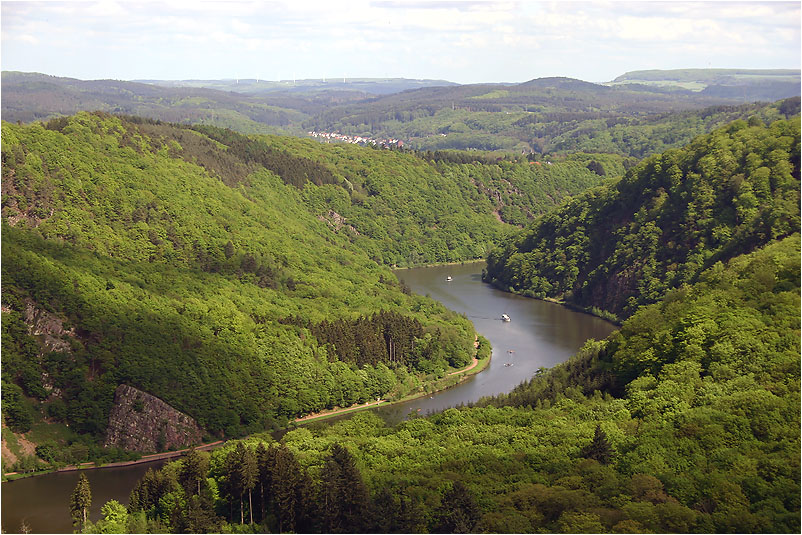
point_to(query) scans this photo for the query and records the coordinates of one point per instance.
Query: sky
(463, 41)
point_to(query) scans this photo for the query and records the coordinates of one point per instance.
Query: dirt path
(475, 360)
(472, 366)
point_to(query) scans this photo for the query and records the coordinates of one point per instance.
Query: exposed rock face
(47, 327)
(142, 422)
(336, 222)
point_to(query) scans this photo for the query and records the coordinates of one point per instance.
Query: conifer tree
(241, 473)
(266, 463)
(290, 492)
(599, 448)
(193, 472)
(80, 500)
(345, 496)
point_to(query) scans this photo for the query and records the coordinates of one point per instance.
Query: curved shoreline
(212, 445)
(91, 466)
(334, 412)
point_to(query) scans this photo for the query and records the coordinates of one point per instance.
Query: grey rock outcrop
(142, 422)
(48, 328)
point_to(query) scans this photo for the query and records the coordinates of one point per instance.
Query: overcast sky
(460, 41)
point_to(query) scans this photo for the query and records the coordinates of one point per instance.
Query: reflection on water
(43, 502)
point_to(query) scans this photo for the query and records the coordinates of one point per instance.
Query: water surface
(43, 502)
(539, 334)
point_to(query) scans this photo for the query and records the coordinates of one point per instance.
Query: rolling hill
(546, 115)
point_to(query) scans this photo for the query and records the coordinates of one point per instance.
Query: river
(540, 334)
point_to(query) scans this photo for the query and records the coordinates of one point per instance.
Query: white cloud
(419, 38)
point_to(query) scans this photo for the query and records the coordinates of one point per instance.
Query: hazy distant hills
(541, 115)
(371, 86)
(708, 77)
(33, 96)
(746, 84)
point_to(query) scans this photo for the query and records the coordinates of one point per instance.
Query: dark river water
(540, 334)
(43, 502)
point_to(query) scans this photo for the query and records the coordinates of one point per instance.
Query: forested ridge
(235, 276)
(175, 263)
(245, 281)
(625, 244)
(685, 420)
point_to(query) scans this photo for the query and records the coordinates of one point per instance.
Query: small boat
(449, 279)
(505, 317)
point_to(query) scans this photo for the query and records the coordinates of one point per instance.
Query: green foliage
(686, 420)
(627, 243)
(458, 512)
(115, 519)
(551, 115)
(599, 449)
(343, 494)
(709, 379)
(173, 258)
(545, 115)
(80, 500)
(17, 411)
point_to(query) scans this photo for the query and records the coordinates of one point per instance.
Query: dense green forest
(177, 264)
(407, 208)
(685, 420)
(627, 243)
(236, 277)
(543, 116)
(246, 281)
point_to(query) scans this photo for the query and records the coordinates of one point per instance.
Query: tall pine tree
(80, 500)
(241, 471)
(458, 511)
(343, 493)
(193, 472)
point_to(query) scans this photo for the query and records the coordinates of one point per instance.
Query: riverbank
(591, 311)
(438, 264)
(450, 380)
(11, 476)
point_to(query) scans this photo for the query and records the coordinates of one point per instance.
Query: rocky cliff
(142, 422)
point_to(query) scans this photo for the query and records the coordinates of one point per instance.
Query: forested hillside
(33, 97)
(687, 420)
(235, 277)
(178, 266)
(545, 115)
(626, 244)
(405, 208)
